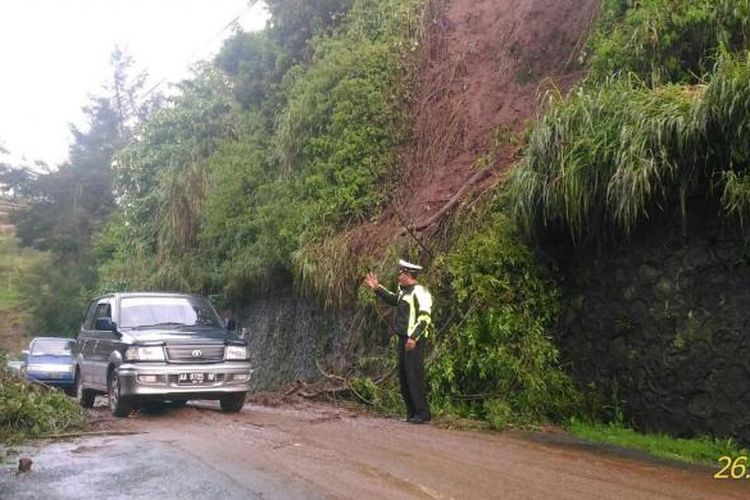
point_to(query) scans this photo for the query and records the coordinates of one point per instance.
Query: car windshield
(144, 312)
(52, 347)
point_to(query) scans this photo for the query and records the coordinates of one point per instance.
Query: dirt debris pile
(483, 67)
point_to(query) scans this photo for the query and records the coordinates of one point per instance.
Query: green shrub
(499, 363)
(343, 120)
(28, 410)
(498, 414)
(666, 41)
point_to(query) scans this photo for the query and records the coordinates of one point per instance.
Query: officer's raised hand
(372, 280)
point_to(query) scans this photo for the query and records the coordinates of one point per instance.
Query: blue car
(50, 360)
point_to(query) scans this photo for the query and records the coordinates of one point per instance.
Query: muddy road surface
(316, 451)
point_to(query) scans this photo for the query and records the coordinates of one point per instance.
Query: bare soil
(484, 67)
(337, 452)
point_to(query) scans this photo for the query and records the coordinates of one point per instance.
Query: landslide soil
(484, 65)
(337, 452)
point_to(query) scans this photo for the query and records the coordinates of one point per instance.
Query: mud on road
(318, 451)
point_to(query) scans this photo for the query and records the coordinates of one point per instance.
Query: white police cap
(408, 266)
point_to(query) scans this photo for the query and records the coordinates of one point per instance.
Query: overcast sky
(54, 54)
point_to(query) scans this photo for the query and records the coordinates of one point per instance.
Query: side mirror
(25, 352)
(231, 325)
(105, 324)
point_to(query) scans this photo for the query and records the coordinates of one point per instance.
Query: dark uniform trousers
(412, 379)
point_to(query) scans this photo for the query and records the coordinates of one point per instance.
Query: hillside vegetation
(334, 141)
(664, 118)
(15, 264)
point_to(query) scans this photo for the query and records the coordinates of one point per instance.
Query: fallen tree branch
(390, 373)
(410, 230)
(359, 396)
(479, 175)
(32, 381)
(331, 391)
(328, 375)
(295, 387)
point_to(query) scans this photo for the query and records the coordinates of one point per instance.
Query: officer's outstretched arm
(388, 296)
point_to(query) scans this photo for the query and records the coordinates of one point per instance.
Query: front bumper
(162, 380)
(61, 379)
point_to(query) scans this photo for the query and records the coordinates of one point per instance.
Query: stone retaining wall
(290, 338)
(659, 327)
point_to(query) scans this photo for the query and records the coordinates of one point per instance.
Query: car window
(52, 347)
(179, 311)
(88, 323)
(103, 311)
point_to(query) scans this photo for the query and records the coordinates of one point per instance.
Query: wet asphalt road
(134, 466)
(318, 451)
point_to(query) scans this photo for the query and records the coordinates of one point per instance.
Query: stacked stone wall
(658, 328)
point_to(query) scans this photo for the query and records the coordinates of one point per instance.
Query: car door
(85, 344)
(101, 349)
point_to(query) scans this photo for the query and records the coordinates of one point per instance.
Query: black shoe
(419, 420)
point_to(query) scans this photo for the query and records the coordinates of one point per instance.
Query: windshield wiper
(168, 323)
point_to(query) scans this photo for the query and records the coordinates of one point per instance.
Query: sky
(54, 55)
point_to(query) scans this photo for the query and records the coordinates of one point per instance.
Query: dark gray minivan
(144, 347)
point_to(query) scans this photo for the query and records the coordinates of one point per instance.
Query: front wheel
(120, 406)
(232, 403)
(85, 397)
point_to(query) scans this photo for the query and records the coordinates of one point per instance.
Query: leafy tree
(162, 180)
(294, 23)
(65, 207)
(256, 66)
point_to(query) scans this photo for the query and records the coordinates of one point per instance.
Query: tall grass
(327, 270)
(607, 157)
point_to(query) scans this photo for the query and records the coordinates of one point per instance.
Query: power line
(230, 24)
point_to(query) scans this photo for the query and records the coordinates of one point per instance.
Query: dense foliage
(659, 128)
(29, 410)
(662, 117)
(263, 152)
(666, 41)
(499, 363)
(607, 157)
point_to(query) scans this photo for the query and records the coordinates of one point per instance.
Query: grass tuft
(700, 450)
(605, 158)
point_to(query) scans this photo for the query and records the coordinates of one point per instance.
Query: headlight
(235, 352)
(50, 368)
(151, 353)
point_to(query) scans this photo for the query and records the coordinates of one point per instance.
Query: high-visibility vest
(420, 309)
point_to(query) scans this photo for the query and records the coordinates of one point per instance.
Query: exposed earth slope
(485, 64)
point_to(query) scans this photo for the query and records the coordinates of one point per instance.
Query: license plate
(196, 378)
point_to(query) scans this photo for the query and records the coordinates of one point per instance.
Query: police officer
(412, 323)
